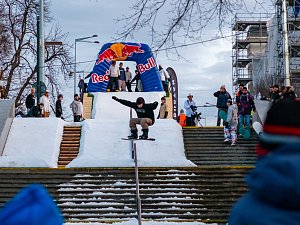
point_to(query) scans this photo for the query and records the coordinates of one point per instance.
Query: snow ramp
(101, 144)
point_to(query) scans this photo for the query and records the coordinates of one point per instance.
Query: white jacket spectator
(45, 100)
(163, 75)
(114, 71)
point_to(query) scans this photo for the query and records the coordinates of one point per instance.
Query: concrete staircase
(205, 147)
(108, 195)
(69, 146)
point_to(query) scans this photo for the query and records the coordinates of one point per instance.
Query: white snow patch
(135, 222)
(101, 144)
(33, 142)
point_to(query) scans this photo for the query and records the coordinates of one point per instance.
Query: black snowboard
(148, 139)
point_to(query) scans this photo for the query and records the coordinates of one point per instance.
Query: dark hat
(163, 98)
(76, 95)
(230, 101)
(282, 126)
(140, 100)
(275, 86)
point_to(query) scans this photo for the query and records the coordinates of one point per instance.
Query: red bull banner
(138, 52)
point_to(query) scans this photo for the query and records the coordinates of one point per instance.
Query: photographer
(190, 108)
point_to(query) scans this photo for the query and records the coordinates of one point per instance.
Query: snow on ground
(135, 222)
(33, 142)
(101, 144)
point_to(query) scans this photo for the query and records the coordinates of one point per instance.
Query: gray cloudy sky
(206, 67)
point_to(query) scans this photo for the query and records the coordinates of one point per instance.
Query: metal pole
(38, 86)
(137, 187)
(286, 45)
(75, 71)
(41, 42)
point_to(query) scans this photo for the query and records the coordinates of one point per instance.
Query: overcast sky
(207, 66)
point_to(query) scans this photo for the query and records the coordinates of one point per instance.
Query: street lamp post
(80, 40)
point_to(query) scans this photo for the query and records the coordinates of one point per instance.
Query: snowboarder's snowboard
(223, 115)
(130, 139)
(244, 132)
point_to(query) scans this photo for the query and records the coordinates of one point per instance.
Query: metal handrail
(137, 183)
(137, 186)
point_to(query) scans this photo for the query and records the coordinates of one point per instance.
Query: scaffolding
(293, 26)
(250, 37)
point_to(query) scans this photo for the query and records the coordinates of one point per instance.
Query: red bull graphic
(107, 55)
(143, 68)
(140, 53)
(128, 50)
(99, 78)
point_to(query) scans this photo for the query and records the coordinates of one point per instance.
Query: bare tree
(19, 67)
(263, 84)
(4, 44)
(186, 19)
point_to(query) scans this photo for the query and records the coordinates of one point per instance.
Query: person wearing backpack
(245, 105)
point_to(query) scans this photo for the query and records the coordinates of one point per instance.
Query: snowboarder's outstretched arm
(124, 102)
(151, 106)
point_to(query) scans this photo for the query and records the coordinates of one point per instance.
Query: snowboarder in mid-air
(145, 116)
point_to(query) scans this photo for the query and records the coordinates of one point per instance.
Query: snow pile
(101, 144)
(135, 222)
(33, 142)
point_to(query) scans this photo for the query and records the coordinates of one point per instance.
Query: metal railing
(137, 183)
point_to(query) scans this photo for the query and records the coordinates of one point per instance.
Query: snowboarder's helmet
(140, 100)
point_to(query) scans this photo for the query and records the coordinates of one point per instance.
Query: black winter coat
(30, 101)
(145, 112)
(58, 109)
(222, 98)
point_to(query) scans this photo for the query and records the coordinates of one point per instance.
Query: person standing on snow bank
(190, 107)
(36, 111)
(58, 106)
(230, 125)
(46, 102)
(163, 110)
(222, 96)
(114, 74)
(164, 76)
(76, 107)
(274, 196)
(30, 100)
(145, 116)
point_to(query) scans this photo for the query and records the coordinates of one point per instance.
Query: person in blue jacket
(274, 196)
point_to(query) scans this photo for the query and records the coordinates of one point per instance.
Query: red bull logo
(148, 66)
(99, 78)
(107, 55)
(128, 50)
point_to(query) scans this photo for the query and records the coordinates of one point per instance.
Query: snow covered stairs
(69, 146)
(205, 147)
(108, 194)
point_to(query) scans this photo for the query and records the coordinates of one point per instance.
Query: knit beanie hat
(282, 126)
